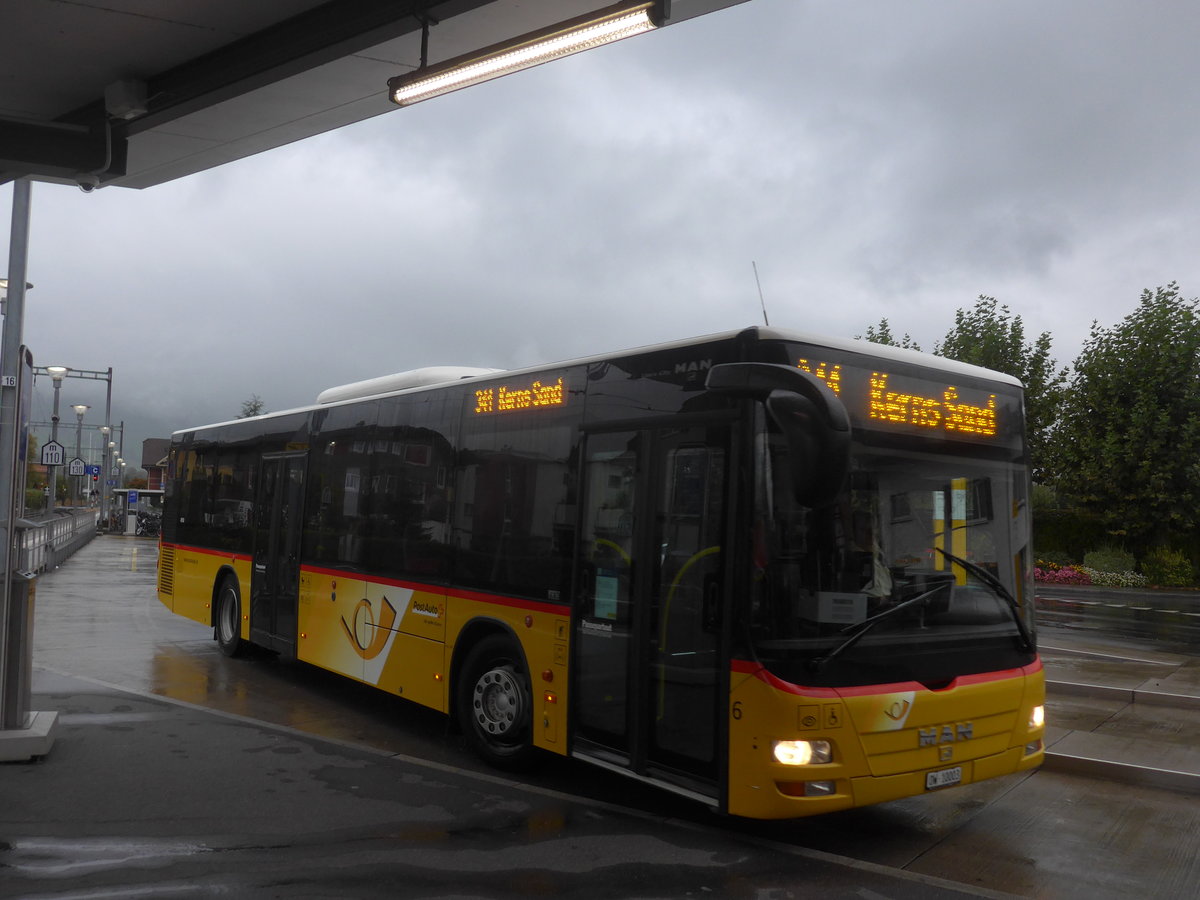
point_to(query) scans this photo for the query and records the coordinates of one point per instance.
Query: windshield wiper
(859, 629)
(1001, 591)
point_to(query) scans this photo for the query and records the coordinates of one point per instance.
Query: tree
(1129, 439)
(884, 336)
(989, 335)
(252, 407)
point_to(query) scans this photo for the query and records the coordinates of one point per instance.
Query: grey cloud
(875, 159)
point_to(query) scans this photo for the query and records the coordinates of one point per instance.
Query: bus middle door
(647, 663)
(278, 527)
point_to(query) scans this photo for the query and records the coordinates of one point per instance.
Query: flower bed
(1061, 575)
(1115, 579)
(1054, 574)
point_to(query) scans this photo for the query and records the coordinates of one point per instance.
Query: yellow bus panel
(884, 741)
(542, 630)
(194, 577)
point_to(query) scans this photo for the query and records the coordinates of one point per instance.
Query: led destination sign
(504, 398)
(947, 412)
(876, 398)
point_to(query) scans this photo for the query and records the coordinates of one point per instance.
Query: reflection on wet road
(104, 622)
(1169, 620)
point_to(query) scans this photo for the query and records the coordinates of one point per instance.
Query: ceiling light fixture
(609, 25)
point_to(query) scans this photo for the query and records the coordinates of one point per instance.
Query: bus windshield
(916, 572)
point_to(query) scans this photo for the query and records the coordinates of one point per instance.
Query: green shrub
(1052, 558)
(1043, 498)
(1167, 568)
(1067, 531)
(1109, 559)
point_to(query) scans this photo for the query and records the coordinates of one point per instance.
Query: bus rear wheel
(229, 618)
(495, 705)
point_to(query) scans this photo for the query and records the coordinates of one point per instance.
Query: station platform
(1121, 710)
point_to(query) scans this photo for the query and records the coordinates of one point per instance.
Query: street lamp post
(108, 429)
(129, 508)
(105, 443)
(110, 458)
(80, 409)
(57, 373)
(105, 494)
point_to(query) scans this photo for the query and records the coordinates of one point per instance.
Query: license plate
(943, 778)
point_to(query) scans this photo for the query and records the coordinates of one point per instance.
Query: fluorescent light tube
(522, 53)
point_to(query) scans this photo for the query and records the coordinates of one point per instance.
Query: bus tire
(495, 704)
(228, 620)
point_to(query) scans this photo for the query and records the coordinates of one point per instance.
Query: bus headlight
(1037, 717)
(803, 753)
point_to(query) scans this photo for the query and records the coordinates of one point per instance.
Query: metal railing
(51, 541)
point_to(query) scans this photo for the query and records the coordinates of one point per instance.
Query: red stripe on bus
(479, 597)
(224, 554)
(532, 605)
(746, 667)
(512, 602)
(562, 609)
(372, 579)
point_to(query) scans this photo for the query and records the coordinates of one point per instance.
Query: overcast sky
(873, 158)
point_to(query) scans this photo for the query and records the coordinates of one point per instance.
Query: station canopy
(135, 93)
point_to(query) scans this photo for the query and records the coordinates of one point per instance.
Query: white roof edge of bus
(900, 354)
(389, 384)
(852, 345)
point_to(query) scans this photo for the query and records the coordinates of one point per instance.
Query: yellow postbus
(776, 573)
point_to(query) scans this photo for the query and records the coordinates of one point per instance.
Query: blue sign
(132, 497)
(92, 470)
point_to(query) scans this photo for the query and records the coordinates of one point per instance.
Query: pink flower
(1065, 575)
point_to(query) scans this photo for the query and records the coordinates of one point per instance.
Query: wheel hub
(498, 702)
(227, 621)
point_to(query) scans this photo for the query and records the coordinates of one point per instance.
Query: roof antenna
(760, 294)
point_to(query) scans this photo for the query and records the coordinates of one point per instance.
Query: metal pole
(10, 348)
(23, 734)
(52, 471)
(78, 451)
(104, 452)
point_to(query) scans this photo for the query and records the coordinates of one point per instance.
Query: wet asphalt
(145, 794)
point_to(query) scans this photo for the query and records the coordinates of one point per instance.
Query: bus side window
(516, 479)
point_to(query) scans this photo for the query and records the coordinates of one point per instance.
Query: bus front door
(648, 678)
(275, 580)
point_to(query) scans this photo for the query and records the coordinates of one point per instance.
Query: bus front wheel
(229, 618)
(495, 707)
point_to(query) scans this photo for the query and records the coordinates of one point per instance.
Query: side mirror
(808, 414)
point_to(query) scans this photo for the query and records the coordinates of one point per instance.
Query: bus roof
(426, 378)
